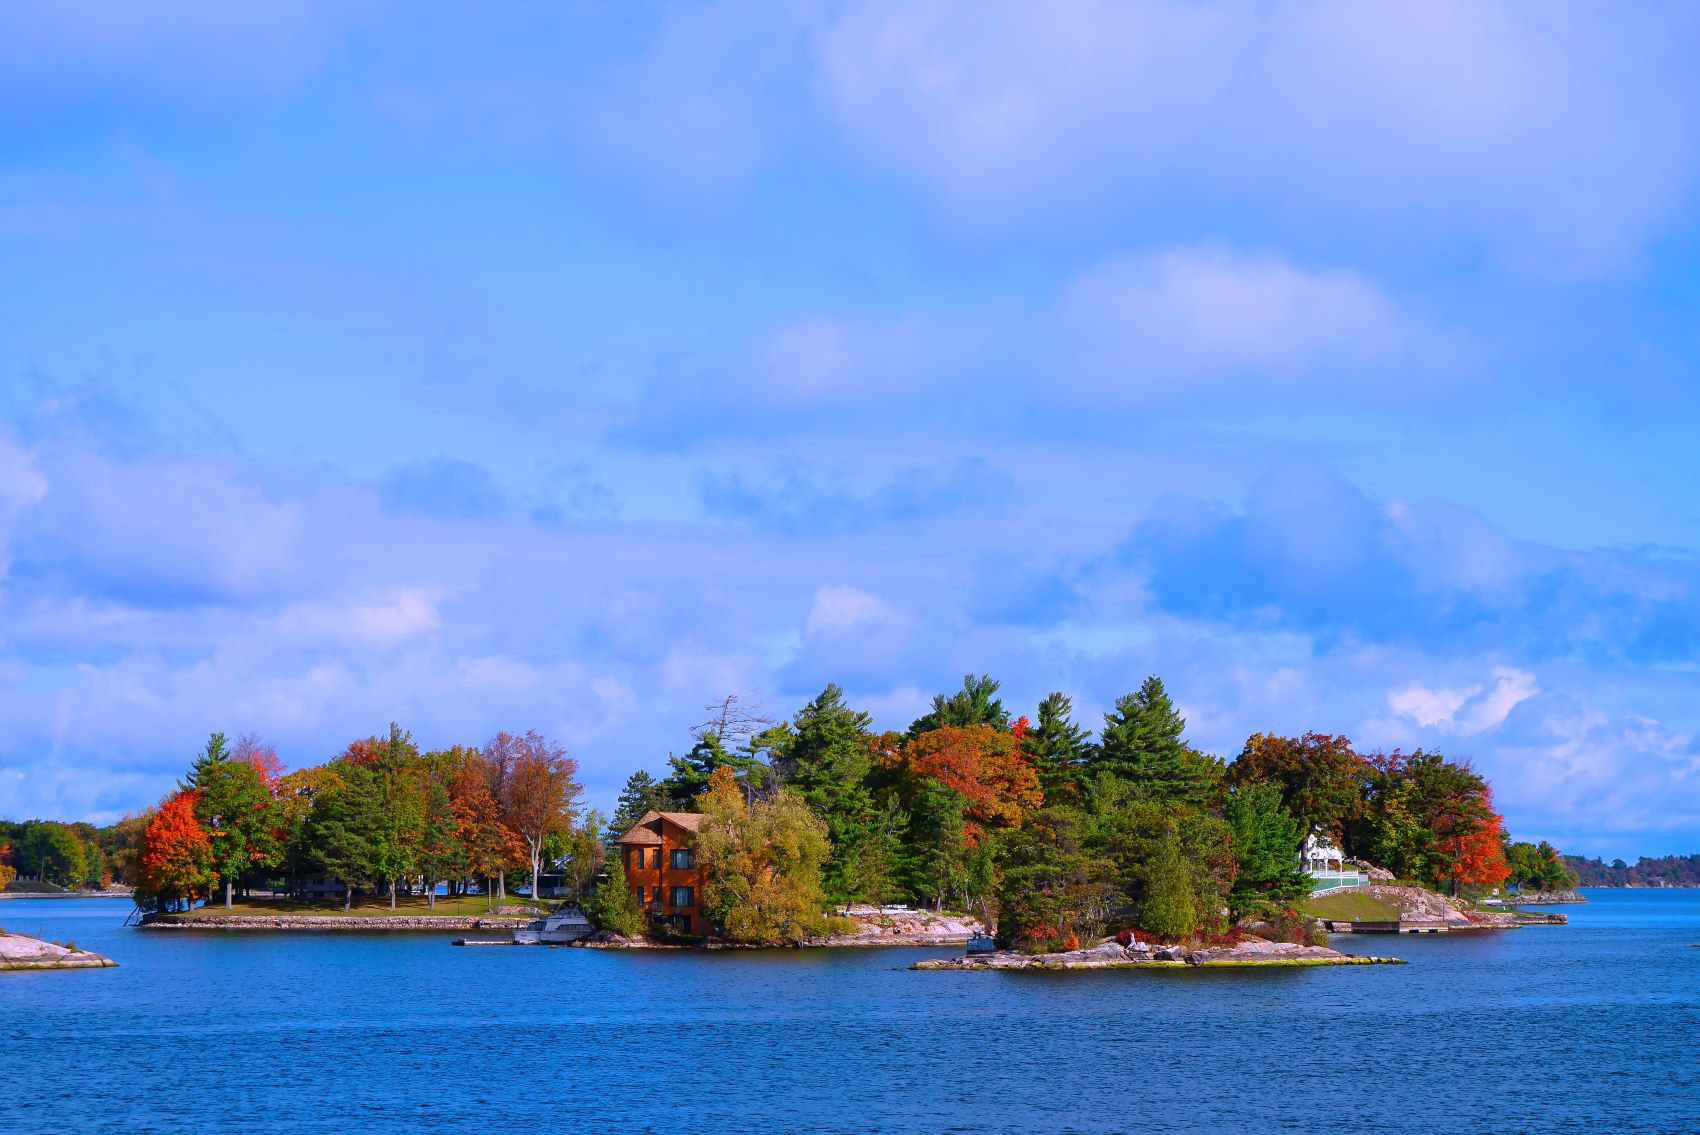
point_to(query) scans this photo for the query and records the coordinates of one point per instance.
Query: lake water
(1592, 1027)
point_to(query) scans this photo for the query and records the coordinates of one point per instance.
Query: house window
(655, 858)
(637, 893)
(681, 896)
(681, 859)
(655, 895)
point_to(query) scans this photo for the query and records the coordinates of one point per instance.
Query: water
(1593, 1027)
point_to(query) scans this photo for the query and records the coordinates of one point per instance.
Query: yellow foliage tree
(764, 863)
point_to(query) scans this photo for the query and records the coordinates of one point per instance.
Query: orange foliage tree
(1478, 856)
(982, 764)
(176, 863)
(7, 871)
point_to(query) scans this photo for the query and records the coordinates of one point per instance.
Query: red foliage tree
(177, 856)
(1478, 856)
(981, 763)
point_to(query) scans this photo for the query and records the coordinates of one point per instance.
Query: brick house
(659, 856)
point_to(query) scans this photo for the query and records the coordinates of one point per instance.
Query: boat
(566, 923)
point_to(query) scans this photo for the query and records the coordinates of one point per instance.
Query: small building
(1326, 865)
(659, 855)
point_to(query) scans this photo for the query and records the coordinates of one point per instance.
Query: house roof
(643, 832)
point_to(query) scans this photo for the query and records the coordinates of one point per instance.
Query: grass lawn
(1347, 905)
(379, 906)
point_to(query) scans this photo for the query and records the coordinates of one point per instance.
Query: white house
(1326, 865)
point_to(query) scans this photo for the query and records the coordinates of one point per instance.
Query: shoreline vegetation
(1046, 833)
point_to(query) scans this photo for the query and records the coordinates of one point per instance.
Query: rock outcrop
(1111, 955)
(1548, 898)
(905, 928)
(18, 952)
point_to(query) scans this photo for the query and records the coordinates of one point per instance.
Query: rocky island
(1114, 955)
(18, 952)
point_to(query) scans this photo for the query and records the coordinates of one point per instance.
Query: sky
(571, 366)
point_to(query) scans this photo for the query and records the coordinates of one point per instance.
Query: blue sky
(571, 368)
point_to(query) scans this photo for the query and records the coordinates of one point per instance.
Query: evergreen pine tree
(641, 794)
(976, 703)
(828, 761)
(1266, 848)
(1057, 747)
(1141, 744)
(613, 906)
(215, 754)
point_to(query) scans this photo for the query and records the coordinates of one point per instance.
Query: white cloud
(1563, 133)
(1472, 710)
(1193, 314)
(838, 610)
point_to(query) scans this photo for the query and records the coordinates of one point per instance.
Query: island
(18, 952)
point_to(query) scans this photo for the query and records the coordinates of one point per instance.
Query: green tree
(215, 754)
(827, 763)
(641, 794)
(976, 703)
(1055, 884)
(689, 776)
(1141, 744)
(1167, 910)
(614, 907)
(440, 849)
(1057, 747)
(235, 807)
(1266, 848)
(50, 851)
(345, 827)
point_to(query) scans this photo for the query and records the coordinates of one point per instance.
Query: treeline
(1647, 871)
(1058, 834)
(381, 816)
(46, 855)
(1053, 831)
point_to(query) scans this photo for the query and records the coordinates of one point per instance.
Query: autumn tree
(763, 864)
(1478, 855)
(541, 796)
(253, 750)
(1319, 776)
(980, 763)
(176, 860)
(7, 871)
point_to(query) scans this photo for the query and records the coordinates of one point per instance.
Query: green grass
(370, 907)
(1346, 906)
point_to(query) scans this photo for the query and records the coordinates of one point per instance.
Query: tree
(7, 871)
(346, 825)
(1056, 886)
(763, 864)
(215, 754)
(234, 806)
(975, 704)
(440, 849)
(689, 774)
(1166, 911)
(827, 763)
(1141, 744)
(540, 796)
(1478, 855)
(984, 765)
(614, 907)
(176, 860)
(1266, 848)
(1320, 777)
(254, 750)
(1057, 748)
(50, 851)
(640, 795)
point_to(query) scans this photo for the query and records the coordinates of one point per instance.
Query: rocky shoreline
(1548, 898)
(332, 922)
(1113, 955)
(18, 952)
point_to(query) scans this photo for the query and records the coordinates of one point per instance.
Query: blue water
(1592, 1027)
